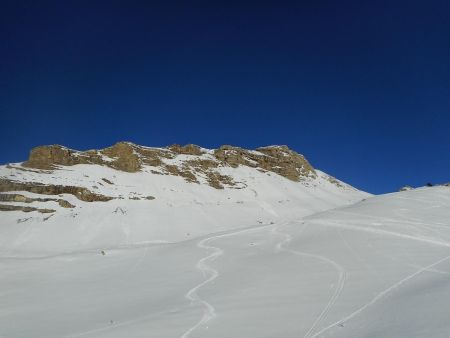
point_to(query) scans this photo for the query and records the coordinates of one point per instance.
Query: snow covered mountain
(129, 195)
(132, 241)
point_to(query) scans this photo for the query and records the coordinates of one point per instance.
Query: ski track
(381, 295)
(358, 257)
(384, 232)
(202, 266)
(342, 274)
(209, 311)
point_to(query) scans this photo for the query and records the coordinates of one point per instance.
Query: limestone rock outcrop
(24, 199)
(9, 207)
(128, 157)
(46, 157)
(191, 163)
(81, 193)
(278, 159)
(188, 149)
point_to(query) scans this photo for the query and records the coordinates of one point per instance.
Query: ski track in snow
(209, 311)
(342, 274)
(358, 257)
(384, 232)
(380, 295)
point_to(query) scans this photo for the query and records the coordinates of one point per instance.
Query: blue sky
(361, 88)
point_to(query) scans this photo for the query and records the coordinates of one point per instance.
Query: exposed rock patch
(25, 199)
(278, 159)
(81, 193)
(189, 149)
(331, 179)
(49, 157)
(285, 162)
(65, 204)
(218, 181)
(128, 157)
(183, 172)
(46, 157)
(125, 158)
(9, 207)
(234, 156)
(28, 170)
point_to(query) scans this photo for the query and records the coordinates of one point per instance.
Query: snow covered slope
(130, 195)
(132, 241)
(377, 268)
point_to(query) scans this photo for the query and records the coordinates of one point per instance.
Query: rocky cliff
(128, 193)
(194, 160)
(44, 176)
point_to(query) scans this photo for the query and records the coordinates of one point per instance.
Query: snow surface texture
(179, 211)
(334, 263)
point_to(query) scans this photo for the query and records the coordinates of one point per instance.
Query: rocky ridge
(192, 163)
(129, 157)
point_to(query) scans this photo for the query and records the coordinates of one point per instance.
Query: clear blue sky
(361, 88)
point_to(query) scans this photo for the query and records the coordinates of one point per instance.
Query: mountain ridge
(128, 194)
(129, 157)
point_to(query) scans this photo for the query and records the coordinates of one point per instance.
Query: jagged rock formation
(129, 157)
(130, 194)
(278, 159)
(192, 163)
(189, 149)
(9, 207)
(24, 199)
(82, 194)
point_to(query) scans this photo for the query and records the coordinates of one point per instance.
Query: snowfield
(275, 259)
(179, 211)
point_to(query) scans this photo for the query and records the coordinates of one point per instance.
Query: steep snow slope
(153, 205)
(377, 268)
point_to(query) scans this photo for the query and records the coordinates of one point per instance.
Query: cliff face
(133, 194)
(120, 156)
(83, 194)
(217, 168)
(129, 157)
(278, 159)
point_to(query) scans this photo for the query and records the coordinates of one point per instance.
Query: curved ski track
(209, 311)
(342, 274)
